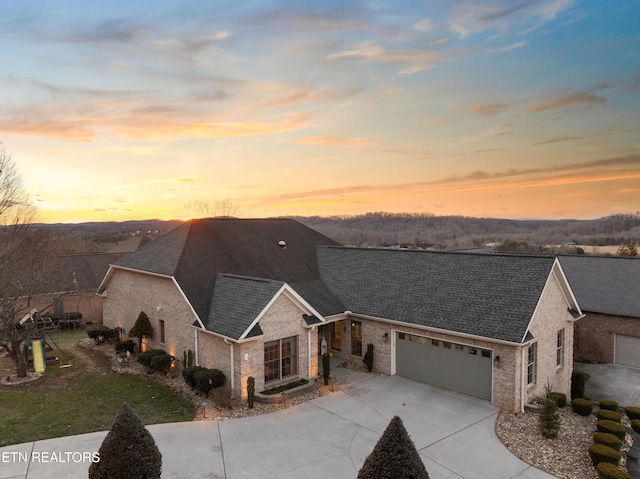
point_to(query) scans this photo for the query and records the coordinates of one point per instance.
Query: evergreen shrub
(601, 453)
(251, 391)
(208, 379)
(635, 425)
(123, 346)
(632, 412)
(128, 450)
(612, 427)
(584, 407)
(549, 419)
(577, 384)
(187, 374)
(609, 405)
(162, 363)
(608, 440)
(559, 398)
(607, 470)
(145, 357)
(609, 415)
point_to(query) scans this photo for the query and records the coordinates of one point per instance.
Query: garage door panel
(627, 350)
(443, 364)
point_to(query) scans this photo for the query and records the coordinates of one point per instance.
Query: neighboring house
(74, 288)
(608, 290)
(256, 298)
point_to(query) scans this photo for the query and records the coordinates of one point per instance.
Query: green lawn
(82, 398)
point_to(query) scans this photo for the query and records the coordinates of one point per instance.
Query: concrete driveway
(612, 381)
(328, 437)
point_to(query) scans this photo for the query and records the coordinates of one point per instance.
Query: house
(73, 287)
(257, 297)
(608, 290)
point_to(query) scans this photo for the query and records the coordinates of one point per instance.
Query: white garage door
(445, 364)
(627, 350)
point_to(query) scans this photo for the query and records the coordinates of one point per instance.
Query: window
(401, 336)
(280, 359)
(435, 342)
(531, 364)
(446, 345)
(161, 330)
(356, 338)
(560, 349)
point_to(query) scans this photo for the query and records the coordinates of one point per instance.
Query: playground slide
(38, 356)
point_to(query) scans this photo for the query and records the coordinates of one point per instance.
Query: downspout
(522, 377)
(195, 341)
(309, 353)
(232, 368)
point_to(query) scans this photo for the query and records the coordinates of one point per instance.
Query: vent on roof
(282, 244)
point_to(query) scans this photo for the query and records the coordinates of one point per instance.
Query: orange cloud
(583, 98)
(334, 141)
(489, 109)
(69, 130)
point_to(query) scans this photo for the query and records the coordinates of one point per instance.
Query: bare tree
(218, 208)
(28, 264)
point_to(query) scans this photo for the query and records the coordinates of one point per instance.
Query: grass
(82, 398)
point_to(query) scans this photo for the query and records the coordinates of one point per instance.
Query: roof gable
(606, 285)
(492, 296)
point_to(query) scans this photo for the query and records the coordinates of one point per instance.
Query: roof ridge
(250, 278)
(427, 251)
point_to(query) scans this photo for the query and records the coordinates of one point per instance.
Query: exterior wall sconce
(385, 336)
(496, 361)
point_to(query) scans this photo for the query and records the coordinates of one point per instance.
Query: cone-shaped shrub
(394, 456)
(549, 419)
(141, 329)
(129, 450)
(607, 470)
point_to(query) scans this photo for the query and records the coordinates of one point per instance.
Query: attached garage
(627, 350)
(445, 364)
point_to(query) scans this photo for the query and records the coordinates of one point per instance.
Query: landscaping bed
(282, 393)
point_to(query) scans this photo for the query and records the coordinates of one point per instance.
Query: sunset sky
(143, 109)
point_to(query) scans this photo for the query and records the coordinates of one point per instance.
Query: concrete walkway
(330, 436)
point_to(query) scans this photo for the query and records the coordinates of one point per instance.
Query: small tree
(549, 420)
(368, 357)
(394, 456)
(141, 329)
(251, 391)
(129, 450)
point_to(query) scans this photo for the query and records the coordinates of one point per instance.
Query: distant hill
(408, 230)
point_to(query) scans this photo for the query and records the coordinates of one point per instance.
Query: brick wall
(595, 335)
(551, 316)
(128, 293)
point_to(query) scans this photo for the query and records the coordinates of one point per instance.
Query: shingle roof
(237, 302)
(197, 251)
(608, 285)
(492, 296)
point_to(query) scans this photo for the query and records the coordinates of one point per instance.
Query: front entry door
(336, 337)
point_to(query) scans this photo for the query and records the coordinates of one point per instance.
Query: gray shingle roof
(492, 296)
(197, 251)
(607, 285)
(237, 302)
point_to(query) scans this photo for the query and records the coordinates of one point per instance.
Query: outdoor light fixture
(496, 361)
(385, 336)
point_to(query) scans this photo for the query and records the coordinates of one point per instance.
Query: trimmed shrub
(251, 391)
(208, 379)
(128, 450)
(187, 374)
(368, 357)
(583, 407)
(549, 419)
(559, 398)
(632, 412)
(609, 405)
(601, 453)
(608, 440)
(612, 427)
(635, 425)
(608, 415)
(145, 357)
(123, 346)
(141, 329)
(394, 456)
(577, 384)
(96, 330)
(607, 470)
(587, 397)
(326, 367)
(162, 363)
